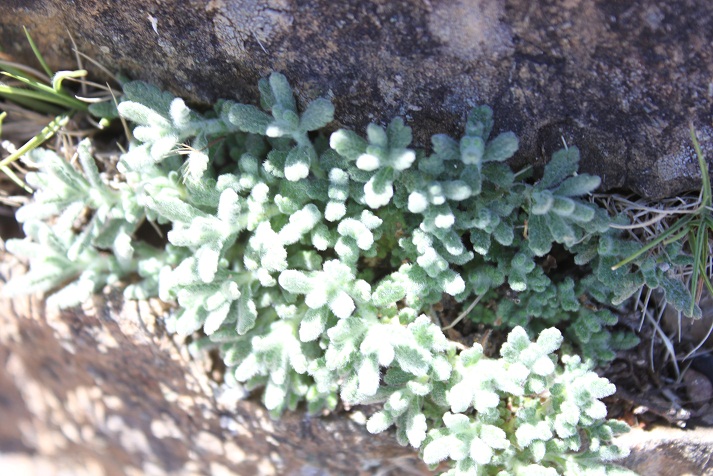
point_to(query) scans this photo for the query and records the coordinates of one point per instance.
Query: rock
(621, 80)
(668, 451)
(102, 390)
(698, 387)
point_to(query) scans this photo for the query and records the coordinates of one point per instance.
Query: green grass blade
(705, 178)
(51, 94)
(37, 53)
(11, 174)
(33, 83)
(707, 282)
(23, 70)
(24, 97)
(699, 252)
(681, 234)
(47, 132)
(660, 239)
(7, 170)
(53, 98)
(5, 67)
(35, 105)
(62, 75)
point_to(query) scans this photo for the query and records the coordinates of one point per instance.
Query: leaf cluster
(311, 264)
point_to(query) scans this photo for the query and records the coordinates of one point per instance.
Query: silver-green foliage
(312, 266)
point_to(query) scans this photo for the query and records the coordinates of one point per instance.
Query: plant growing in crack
(312, 263)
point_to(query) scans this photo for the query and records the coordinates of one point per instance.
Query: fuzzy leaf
(298, 163)
(501, 148)
(378, 422)
(539, 236)
(249, 118)
(295, 281)
(282, 92)
(563, 164)
(347, 143)
(140, 114)
(480, 122)
(318, 114)
(472, 150)
(313, 324)
(445, 147)
(578, 185)
(439, 449)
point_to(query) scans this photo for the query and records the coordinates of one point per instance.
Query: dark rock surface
(622, 80)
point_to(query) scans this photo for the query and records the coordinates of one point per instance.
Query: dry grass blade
(687, 219)
(680, 218)
(464, 313)
(21, 123)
